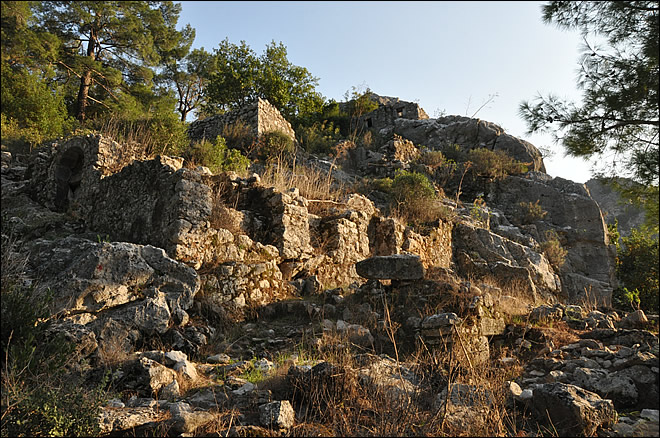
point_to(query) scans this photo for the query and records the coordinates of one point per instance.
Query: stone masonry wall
(260, 116)
(386, 114)
(65, 174)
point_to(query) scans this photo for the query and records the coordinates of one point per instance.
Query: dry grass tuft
(313, 184)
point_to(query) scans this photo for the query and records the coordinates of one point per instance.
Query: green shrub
(320, 137)
(217, 156)
(479, 212)
(553, 250)
(40, 398)
(52, 409)
(30, 109)
(409, 187)
(382, 185)
(637, 267)
(628, 300)
(412, 198)
(432, 159)
(454, 153)
(275, 144)
(494, 164)
(531, 212)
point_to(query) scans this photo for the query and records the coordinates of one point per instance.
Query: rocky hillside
(613, 206)
(225, 304)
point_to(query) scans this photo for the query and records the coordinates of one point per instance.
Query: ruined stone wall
(269, 119)
(387, 236)
(261, 117)
(65, 174)
(385, 115)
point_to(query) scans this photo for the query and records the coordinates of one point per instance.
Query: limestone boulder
(393, 267)
(572, 411)
(384, 376)
(114, 287)
(121, 420)
(483, 252)
(185, 419)
(277, 415)
(619, 388)
(468, 133)
(636, 319)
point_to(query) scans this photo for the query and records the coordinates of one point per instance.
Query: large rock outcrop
(588, 271)
(117, 290)
(468, 133)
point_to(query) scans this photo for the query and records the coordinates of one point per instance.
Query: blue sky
(449, 57)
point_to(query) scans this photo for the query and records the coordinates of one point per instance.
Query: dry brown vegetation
(313, 184)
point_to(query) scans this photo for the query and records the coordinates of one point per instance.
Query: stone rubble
(196, 277)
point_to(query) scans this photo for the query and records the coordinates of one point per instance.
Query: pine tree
(617, 121)
(109, 46)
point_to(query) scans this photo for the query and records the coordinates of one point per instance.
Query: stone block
(393, 267)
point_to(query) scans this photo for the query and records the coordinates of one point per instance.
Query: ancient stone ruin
(201, 277)
(260, 117)
(389, 110)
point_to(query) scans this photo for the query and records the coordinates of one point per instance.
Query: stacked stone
(239, 284)
(621, 365)
(260, 116)
(385, 115)
(269, 119)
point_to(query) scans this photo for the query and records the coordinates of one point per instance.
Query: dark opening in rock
(68, 174)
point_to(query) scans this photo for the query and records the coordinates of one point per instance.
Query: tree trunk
(86, 78)
(83, 93)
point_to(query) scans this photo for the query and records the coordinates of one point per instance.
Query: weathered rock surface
(587, 274)
(482, 252)
(468, 133)
(277, 415)
(115, 286)
(393, 267)
(571, 410)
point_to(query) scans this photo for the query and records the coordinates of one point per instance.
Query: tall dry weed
(313, 184)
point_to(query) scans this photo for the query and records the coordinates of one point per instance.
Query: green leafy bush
(433, 159)
(553, 250)
(31, 111)
(626, 299)
(216, 156)
(412, 198)
(275, 144)
(637, 267)
(454, 152)
(531, 212)
(411, 187)
(320, 137)
(382, 185)
(479, 212)
(494, 164)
